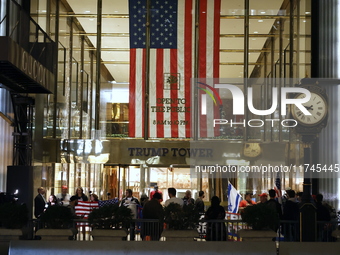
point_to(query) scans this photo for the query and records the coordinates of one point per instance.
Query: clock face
(252, 150)
(317, 106)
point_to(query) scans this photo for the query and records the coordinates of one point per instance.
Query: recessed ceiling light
(256, 32)
(304, 21)
(260, 20)
(262, 12)
(87, 11)
(91, 19)
(307, 12)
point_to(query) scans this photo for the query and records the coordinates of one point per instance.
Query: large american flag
(84, 208)
(172, 62)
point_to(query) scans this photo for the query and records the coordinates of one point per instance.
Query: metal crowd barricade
(221, 230)
(325, 229)
(289, 231)
(214, 230)
(150, 230)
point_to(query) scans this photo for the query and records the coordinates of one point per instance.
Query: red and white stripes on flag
(209, 46)
(170, 109)
(83, 208)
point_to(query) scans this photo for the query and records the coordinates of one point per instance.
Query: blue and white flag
(234, 199)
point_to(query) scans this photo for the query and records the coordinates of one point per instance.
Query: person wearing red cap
(263, 198)
(63, 197)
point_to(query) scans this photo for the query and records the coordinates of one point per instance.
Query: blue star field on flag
(107, 202)
(163, 31)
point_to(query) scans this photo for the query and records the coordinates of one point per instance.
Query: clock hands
(309, 107)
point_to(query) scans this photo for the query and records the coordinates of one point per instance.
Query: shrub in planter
(261, 217)
(180, 218)
(57, 217)
(13, 216)
(110, 217)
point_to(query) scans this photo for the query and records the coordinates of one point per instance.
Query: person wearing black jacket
(79, 196)
(291, 213)
(153, 210)
(274, 203)
(40, 202)
(322, 214)
(216, 231)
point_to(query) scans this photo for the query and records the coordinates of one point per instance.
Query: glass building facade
(104, 115)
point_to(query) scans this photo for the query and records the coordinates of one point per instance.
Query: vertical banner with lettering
(171, 63)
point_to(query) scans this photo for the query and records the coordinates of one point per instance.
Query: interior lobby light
(237, 162)
(100, 159)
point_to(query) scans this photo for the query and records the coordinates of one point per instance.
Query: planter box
(179, 235)
(336, 234)
(56, 234)
(109, 234)
(10, 234)
(256, 235)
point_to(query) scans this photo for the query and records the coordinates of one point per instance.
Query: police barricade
(233, 223)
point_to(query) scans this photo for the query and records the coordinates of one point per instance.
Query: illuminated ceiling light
(87, 11)
(262, 12)
(256, 32)
(260, 20)
(307, 12)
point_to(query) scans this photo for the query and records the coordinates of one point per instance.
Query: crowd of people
(61, 199)
(289, 208)
(152, 207)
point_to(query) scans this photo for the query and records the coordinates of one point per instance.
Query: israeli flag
(234, 199)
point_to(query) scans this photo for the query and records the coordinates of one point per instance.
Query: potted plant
(181, 222)
(13, 219)
(109, 222)
(57, 222)
(263, 220)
